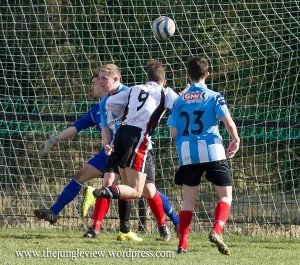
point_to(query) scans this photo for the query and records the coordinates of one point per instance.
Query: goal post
(50, 48)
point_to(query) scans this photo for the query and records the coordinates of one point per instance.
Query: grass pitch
(54, 246)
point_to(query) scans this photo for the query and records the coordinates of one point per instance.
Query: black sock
(115, 192)
(111, 192)
(124, 215)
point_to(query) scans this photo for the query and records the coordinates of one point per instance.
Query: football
(163, 27)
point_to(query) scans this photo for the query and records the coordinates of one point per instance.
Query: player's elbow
(231, 127)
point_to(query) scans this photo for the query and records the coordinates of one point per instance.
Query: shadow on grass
(31, 236)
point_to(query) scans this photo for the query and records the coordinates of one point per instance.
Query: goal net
(49, 49)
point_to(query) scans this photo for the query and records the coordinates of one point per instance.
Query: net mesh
(49, 49)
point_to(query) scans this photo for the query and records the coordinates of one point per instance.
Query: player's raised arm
(54, 139)
(86, 121)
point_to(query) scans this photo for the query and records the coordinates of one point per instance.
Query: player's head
(109, 77)
(156, 72)
(97, 90)
(197, 68)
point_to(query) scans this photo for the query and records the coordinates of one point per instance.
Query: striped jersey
(145, 104)
(195, 115)
(112, 114)
(90, 119)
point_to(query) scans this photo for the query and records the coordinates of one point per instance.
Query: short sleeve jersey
(195, 115)
(112, 114)
(145, 104)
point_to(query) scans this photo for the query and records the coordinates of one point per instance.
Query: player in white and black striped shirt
(145, 104)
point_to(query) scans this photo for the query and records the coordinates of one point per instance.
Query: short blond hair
(111, 69)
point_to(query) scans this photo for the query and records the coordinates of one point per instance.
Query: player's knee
(138, 194)
(149, 190)
(227, 199)
(108, 180)
(80, 176)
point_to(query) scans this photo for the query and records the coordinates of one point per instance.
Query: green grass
(244, 250)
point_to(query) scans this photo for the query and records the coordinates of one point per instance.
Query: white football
(163, 27)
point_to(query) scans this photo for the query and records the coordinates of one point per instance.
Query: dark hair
(155, 71)
(96, 73)
(197, 67)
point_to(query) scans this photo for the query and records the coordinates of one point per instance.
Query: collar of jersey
(152, 83)
(118, 90)
(196, 86)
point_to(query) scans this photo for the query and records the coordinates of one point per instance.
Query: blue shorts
(98, 161)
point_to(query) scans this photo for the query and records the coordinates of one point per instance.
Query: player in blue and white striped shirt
(194, 124)
(196, 115)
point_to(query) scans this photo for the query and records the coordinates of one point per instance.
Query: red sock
(221, 216)
(185, 219)
(157, 209)
(100, 210)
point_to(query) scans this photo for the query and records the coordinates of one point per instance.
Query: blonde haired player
(145, 105)
(111, 118)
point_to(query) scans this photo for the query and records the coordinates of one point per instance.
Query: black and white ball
(163, 27)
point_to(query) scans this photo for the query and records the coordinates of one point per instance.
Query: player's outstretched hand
(232, 149)
(47, 145)
(108, 149)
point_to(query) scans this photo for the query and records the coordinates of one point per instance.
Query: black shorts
(112, 166)
(130, 148)
(150, 168)
(217, 172)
